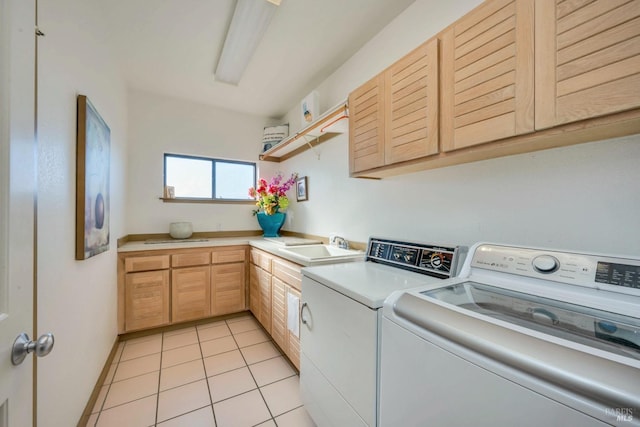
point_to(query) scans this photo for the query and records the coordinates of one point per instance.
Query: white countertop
(368, 283)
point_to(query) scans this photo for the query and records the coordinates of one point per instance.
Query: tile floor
(226, 374)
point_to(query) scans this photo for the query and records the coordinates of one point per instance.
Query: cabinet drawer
(228, 255)
(261, 259)
(190, 259)
(288, 272)
(146, 263)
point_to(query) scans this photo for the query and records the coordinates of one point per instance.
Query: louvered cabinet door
(411, 95)
(279, 312)
(366, 126)
(587, 59)
(488, 74)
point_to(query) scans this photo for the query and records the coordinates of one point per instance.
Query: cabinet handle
(304, 304)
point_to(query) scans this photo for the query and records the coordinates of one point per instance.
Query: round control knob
(545, 264)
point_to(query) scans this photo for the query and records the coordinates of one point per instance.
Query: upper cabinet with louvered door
(488, 75)
(366, 126)
(411, 95)
(587, 59)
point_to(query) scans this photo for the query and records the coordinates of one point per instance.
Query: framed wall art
(92, 181)
(301, 189)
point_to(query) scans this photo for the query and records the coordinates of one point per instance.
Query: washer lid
(585, 325)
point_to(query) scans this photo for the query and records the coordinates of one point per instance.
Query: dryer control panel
(438, 261)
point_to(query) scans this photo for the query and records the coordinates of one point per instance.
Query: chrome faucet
(338, 241)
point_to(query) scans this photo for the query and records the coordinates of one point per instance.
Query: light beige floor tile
(231, 384)
(138, 366)
(91, 422)
(116, 357)
(245, 325)
(297, 418)
(180, 340)
(100, 400)
(217, 346)
(183, 399)
(240, 318)
(214, 332)
(131, 389)
(210, 325)
(269, 423)
(134, 414)
(241, 411)
(282, 396)
(139, 349)
(200, 418)
(256, 336)
(271, 370)
(112, 371)
(180, 331)
(259, 352)
(146, 338)
(181, 355)
(224, 362)
(181, 374)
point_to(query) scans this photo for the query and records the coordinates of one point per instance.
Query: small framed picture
(301, 189)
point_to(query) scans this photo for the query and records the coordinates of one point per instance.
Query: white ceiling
(171, 47)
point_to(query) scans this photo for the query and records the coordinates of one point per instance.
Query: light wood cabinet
(587, 59)
(161, 287)
(286, 280)
(228, 288)
(394, 116)
(190, 293)
(146, 299)
(260, 287)
(488, 74)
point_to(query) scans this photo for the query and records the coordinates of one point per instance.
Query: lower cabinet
(228, 288)
(146, 299)
(157, 288)
(190, 293)
(271, 286)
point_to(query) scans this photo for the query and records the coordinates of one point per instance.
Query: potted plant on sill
(271, 200)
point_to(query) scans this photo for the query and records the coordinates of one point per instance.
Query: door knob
(23, 346)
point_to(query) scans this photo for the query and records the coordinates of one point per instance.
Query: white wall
(583, 197)
(158, 124)
(76, 299)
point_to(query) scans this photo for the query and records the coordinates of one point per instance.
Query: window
(205, 178)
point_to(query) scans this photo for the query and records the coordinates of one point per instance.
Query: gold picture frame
(92, 181)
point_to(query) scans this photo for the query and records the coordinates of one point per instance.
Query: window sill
(210, 201)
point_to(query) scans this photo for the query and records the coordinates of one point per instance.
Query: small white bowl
(180, 230)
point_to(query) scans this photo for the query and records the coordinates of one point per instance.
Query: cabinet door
(488, 74)
(190, 289)
(264, 281)
(254, 290)
(293, 341)
(279, 312)
(146, 299)
(366, 125)
(227, 288)
(411, 103)
(587, 59)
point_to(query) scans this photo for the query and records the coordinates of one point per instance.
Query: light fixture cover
(249, 23)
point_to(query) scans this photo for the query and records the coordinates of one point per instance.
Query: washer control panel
(618, 274)
(438, 261)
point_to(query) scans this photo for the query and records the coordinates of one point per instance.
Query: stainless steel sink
(311, 253)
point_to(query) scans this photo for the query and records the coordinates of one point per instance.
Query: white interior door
(17, 200)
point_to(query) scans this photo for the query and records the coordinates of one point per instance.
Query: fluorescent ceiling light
(250, 20)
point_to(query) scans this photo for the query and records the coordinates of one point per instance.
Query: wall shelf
(330, 124)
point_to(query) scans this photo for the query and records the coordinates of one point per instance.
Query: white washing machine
(523, 336)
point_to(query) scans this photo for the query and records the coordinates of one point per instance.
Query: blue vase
(271, 224)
